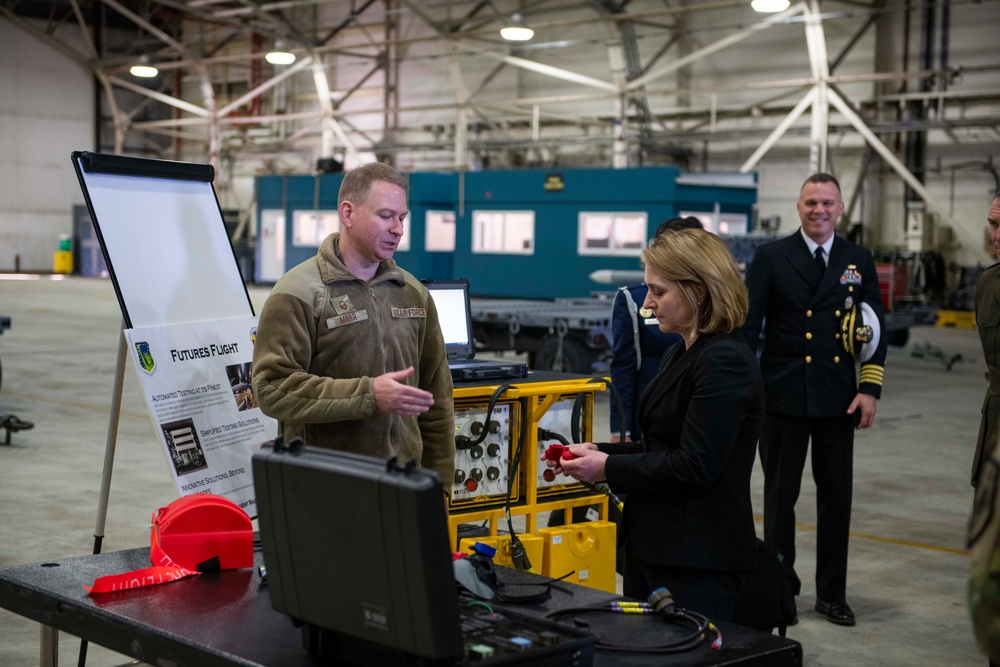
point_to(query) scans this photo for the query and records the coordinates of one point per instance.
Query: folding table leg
(48, 654)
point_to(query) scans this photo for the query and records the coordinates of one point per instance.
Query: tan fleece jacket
(325, 334)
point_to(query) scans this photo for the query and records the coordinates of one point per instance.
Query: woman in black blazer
(688, 521)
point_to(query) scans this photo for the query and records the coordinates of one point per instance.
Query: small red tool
(556, 451)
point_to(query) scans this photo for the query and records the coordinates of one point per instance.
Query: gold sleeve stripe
(872, 374)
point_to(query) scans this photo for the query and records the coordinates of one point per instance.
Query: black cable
(547, 580)
(606, 490)
(518, 554)
(617, 403)
(574, 420)
(545, 434)
(489, 413)
(578, 409)
(676, 615)
(529, 598)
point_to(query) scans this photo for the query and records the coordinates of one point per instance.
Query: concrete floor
(911, 500)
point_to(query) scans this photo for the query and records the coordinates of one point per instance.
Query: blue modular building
(532, 233)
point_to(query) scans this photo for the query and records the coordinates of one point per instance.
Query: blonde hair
(692, 257)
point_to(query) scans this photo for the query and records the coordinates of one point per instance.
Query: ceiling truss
(206, 103)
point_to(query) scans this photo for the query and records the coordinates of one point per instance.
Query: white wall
(883, 213)
(46, 112)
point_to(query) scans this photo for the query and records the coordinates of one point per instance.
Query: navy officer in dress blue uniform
(801, 290)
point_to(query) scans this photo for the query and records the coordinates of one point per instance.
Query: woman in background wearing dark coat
(637, 344)
(688, 520)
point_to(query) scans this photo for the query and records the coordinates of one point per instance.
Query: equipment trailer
(566, 335)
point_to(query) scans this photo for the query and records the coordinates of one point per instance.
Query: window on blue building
(612, 233)
(503, 232)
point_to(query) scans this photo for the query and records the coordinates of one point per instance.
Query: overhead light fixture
(143, 69)
(516, 30)
(769, 6)
(279, 56)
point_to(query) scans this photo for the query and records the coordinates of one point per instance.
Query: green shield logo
(145, 357)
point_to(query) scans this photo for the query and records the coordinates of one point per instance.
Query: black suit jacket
(807, 371)
(688, 481)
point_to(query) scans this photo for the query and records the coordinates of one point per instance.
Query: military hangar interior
(899, 99)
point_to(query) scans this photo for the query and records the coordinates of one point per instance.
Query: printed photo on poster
(239, 380)
(183, 447)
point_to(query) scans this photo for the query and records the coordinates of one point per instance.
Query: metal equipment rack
(534, 398)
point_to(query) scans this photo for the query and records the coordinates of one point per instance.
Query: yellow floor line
(907, 543)
(884, 540)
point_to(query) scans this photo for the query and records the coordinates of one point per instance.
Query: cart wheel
(575, 357)
(899, 337)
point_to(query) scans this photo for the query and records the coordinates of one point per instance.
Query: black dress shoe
(836, 612)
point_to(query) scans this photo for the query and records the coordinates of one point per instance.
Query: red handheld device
(556, 451)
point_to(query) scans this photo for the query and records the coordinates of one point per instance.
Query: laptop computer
(356, 549)
(451, 298)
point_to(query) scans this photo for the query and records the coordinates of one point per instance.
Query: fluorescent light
(516, 30)
(143, 69)
(515, 33)
(769, 6)
(279, 56)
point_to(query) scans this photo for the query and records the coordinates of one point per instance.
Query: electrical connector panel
(482, 469)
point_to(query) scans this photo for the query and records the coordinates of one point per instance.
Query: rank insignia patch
(342, 304)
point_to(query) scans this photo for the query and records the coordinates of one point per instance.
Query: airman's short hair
(357, 183)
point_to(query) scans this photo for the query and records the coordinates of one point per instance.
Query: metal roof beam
(554, 72)
(723, 43)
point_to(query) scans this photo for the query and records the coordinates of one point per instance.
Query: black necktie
(819, 260)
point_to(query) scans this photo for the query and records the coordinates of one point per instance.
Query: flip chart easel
(168, 254)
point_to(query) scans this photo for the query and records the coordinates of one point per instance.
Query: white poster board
(196, 380)
(164, 239)
(169, 256)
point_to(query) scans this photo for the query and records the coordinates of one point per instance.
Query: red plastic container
(195, 529)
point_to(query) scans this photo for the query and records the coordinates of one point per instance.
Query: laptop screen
(451, 298)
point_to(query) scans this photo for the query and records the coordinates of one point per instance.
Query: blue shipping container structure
(534, 234)
(552, 266)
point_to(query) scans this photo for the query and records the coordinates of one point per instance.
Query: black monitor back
(359, 547)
